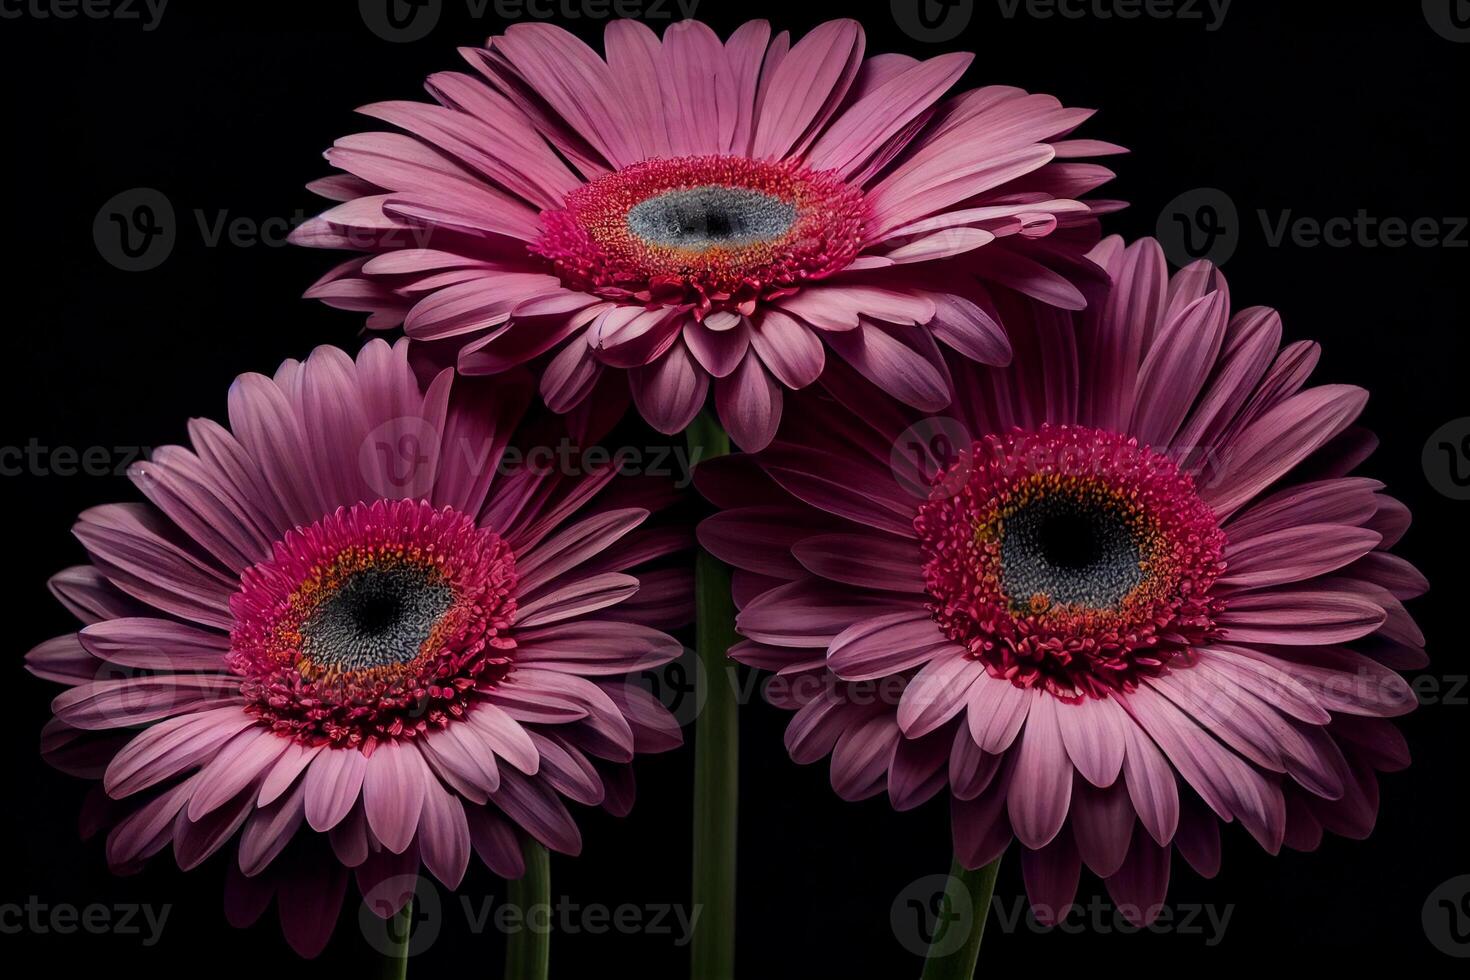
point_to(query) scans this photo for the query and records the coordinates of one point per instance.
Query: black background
(1318, 108)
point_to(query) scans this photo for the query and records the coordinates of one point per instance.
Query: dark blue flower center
(698, 219)
(1073, 552)
(376, 618)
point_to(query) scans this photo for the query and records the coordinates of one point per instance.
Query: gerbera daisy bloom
(690, 209)
(1124, 590)
(352, 624)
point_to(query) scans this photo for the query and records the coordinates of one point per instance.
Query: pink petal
(938, 692)
(806, 84)
(887, 644)
(1092, 731)
(1041, 790)
(333, 781)
(1302, 617)
(1280, 439)
(393, 790)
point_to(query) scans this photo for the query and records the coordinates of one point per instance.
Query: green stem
(528, 950)
(395, 959)
(716, 748)
(946, 961)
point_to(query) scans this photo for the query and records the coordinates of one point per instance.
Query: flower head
(1123, 590)
(354, 632)
(693, 211)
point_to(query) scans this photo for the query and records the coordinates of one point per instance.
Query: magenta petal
(1051, 876)
(749, 404)
(495, 843)
(670, 391)
(539, 812)
(1102, 825)
(1141, 883)
(887, 644)
(309, 902)
(892, 366)
(789, 348)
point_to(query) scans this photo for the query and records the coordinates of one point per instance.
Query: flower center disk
(712, 232)
(376, 622)
(1070, 558)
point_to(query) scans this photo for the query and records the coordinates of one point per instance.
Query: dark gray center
(376, 618)
(1075, 553)
(701, 218)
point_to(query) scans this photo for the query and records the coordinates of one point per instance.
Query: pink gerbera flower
(1125, 589)
(353, 625)
(694, 209)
